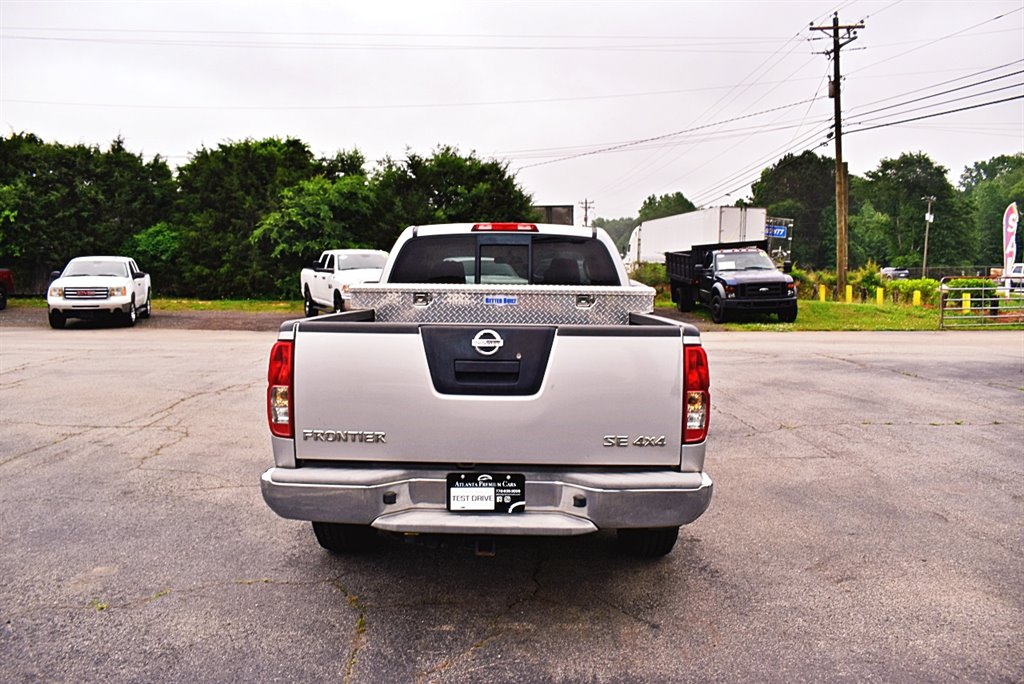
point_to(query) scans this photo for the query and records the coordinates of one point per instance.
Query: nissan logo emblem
(487, 342)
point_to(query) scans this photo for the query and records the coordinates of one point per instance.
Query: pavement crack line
(493, 631)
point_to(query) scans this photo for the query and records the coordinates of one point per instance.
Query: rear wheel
(717, 309)
(650, 542)
(341, 538)
(339, 303)
(684, 298)
(57, 320)
(3, 298)
(308, 308)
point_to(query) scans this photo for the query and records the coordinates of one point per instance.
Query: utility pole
(928, 218)
(586, 204)
(834, 92)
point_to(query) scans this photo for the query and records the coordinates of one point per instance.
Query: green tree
(663, 205)
(61, 201)
(443, 188)
(314, 215)
(618, 229)
(224, 194)
(802, 187)
(867, 236)
(898, 188)
(992, 186)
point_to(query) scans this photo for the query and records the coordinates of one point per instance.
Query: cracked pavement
(866, 524)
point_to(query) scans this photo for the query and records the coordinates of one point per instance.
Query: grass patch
(26, 302)
(245, 305)
(182, 304)
(839, 316)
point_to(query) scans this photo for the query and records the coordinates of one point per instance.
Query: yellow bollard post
(966, 302)
(821, 293)
(880, 295)
(849, 294)
(917, 298)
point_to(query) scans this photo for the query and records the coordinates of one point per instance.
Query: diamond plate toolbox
(503, 304)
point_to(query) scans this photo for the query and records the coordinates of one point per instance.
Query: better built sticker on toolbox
(500, 300)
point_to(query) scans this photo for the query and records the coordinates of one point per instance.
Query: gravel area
(20, 317)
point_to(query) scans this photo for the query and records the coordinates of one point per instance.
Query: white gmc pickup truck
(501, 379)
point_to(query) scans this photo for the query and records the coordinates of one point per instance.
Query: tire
(717, 309)
(3, 299)
(148, 310)
(684, 298)
(649, 542)
(340, 539)
(787, 315)
(57, 320)
(339, 303)
(308, 309)
(131, 315)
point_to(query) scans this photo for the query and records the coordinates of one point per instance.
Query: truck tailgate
(502, 394)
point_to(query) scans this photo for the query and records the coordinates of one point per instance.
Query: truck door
(322, 281)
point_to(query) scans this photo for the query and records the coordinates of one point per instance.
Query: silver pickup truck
(501, 379)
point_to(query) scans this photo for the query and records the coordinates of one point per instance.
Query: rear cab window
(505, 260)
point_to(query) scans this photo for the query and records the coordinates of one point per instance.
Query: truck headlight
(118, 291)
(56, 291)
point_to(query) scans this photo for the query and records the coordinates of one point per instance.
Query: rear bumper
(557, 503)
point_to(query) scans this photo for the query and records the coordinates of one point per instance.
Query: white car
(97, 286)
(325, 285)
(1013, 280)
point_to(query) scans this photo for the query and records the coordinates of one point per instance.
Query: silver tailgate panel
(595, 386)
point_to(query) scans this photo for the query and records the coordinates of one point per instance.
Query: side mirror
(54, 275)
(136, 276)
(787, 266)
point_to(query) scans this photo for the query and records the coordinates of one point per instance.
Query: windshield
(349, 262)
(96, 267)
(744, 261)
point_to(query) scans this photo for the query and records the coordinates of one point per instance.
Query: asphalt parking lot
(866, 525)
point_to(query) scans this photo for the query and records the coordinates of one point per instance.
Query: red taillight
(279, 390)
(512, 227)
(696, 395)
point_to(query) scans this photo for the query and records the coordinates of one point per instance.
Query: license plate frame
(492, 492)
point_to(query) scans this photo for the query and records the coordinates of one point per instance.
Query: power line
(937, 40)
(930, 116)
(947, 82)
(660, 137)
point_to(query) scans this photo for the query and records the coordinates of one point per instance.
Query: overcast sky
(607, 102)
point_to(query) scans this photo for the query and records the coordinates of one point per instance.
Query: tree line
(887, 209)
(236, 221)
(241, 219)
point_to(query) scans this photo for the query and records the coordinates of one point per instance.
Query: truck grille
(755, 290)
(86, 293)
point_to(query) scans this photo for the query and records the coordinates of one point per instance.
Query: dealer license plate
(501, 492)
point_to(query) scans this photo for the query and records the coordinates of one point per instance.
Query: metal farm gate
(980, 305)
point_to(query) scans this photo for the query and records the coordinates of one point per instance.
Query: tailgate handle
(488, 372)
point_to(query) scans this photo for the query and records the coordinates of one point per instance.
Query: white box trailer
(651, 239)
